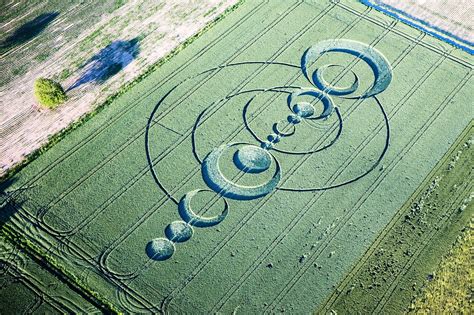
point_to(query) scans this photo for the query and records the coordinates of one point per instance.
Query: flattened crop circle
(160, 249)
(179, 231)
(252, 159)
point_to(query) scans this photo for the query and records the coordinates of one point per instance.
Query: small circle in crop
(160, 249)
(178, 231)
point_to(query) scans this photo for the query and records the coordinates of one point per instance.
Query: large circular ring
(377, 62)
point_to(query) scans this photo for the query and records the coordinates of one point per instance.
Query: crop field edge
(463, 242)
(52, 266)
(57, 137)
(403, 17)
(461, 222)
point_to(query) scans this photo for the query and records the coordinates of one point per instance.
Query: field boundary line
(350, 276)
(38, 255)
(33, 284)
(408, 36)
(419, 23)
(419, 249)
(125, 88)
(49, 244)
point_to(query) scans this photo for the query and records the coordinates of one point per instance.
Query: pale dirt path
(24, 126)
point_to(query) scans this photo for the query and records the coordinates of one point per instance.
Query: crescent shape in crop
(374, 58)
(220, 184)
(189, 216)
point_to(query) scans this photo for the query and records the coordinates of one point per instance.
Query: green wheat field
(299, 156)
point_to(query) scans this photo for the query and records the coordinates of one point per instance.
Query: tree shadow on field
(8, 206)
(108, 62)
(29, 30)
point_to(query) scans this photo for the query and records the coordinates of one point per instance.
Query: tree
(49, 93)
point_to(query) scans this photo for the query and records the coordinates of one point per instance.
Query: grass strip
(50, 264)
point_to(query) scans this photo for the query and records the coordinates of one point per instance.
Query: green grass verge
(450, 292)
(50, 264)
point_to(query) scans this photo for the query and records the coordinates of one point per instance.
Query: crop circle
(160, 249)
(295, 104)
(329, 88)
(179, 231)
(252, 159)
(303, 109)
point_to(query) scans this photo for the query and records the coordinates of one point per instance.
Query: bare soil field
(454, 17)
(91, 48)
(448, 20)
